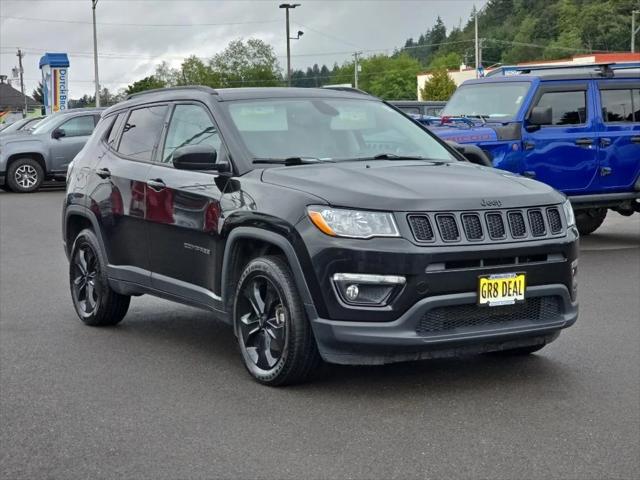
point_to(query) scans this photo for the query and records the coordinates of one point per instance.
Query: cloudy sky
(134, 36)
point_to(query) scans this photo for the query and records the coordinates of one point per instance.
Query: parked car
(27, 159)
(576, 129)
(430, 108)
(20, 125)
(319, 224)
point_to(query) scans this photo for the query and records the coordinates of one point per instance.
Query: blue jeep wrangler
(576, 129)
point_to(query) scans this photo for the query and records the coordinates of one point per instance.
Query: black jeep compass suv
(319, 224)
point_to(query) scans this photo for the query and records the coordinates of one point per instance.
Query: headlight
(339, 222)
(568, 213)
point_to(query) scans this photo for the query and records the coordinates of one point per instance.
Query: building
(466, 73)
(12, 103)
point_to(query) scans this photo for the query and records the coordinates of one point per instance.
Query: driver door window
(78, 126)
(190, 125)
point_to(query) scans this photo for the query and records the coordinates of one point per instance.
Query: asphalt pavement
(164, 395)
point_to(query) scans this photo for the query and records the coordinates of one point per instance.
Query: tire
(520, 351)
(93, 299)
(5, 188)
(588, 221)
(25, 175)
(275, 338)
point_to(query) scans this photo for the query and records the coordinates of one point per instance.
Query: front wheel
(25, 175)
(588, 221)
(274, 335)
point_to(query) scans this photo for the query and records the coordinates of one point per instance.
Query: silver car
(28, 158)
(19, 126)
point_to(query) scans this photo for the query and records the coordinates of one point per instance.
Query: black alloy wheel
(86, 286)
(262, 323)
(275, 338)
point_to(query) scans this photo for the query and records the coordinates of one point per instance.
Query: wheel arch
(268, 243)
(37, 156)
(76, 218)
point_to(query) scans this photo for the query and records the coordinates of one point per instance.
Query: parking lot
(165, 395)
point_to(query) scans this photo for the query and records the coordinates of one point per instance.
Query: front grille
(517, 225)
(496, 226)
(463, 317)
(421, 228)
(555, 223)
(448, 227)
(536, 222)
(472, 226)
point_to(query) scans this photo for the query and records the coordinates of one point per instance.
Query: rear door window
(141, 132)
(618, 105)
(569, 108)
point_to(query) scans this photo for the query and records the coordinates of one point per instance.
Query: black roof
(10, 98)
(227, 94)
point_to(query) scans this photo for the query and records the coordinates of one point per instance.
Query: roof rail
(346, 89)
(602, 69)
(168, 89)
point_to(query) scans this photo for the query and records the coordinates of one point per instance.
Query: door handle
(605, 142)
(635, 139)
(584, 142)
(103, 173)
(156, 184)
(529, 145)
(529, 174)
(604, 171)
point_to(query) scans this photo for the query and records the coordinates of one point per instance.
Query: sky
(135, 35)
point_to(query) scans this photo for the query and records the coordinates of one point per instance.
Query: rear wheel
(93, 299)
(24, 175)
(274, 335)
(588, 221)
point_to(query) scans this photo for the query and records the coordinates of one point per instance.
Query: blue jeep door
(619, 134)
(563, 154)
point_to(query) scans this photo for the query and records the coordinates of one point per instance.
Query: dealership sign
(55, 81)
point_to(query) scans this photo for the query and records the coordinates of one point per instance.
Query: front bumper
(360, 343)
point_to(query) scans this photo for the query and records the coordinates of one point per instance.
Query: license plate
(501, 289)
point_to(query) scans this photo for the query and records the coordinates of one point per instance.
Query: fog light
(367, 289)
(352, 292)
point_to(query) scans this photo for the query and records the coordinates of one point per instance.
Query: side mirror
(198, 157)
(540, 116)
(473, 154)
(58, 133)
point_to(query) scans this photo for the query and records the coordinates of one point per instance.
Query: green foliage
(147, 83)
(38, 94)
(439, 86)
(247, 64)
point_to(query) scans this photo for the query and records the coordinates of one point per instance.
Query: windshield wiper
(391, 156)
(291, 160)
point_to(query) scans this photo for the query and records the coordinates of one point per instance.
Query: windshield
(330, 130)
(46, 124)
(487, 100)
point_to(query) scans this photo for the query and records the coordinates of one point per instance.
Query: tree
(38, 94)
(147, 83)
(439, 86)
(247, 64)
(195, 72)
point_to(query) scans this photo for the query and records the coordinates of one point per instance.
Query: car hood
(11, 137)
(413, 185)
(466, 135)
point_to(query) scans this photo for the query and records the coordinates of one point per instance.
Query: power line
(117, 24)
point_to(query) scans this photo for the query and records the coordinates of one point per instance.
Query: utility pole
(356, 55)
(288, 6)
(24, 97)
(95, 52)
(634, 30)
(477, 45)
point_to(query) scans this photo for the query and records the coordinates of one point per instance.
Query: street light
(288, 6)
(95, 52)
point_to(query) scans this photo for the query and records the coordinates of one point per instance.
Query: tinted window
(491, 99)
(141, 132)
(617, 105)
(115, 128)
(636, 104)
(415, 110)
(569, 108)
(190, 125)
(78, 126)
